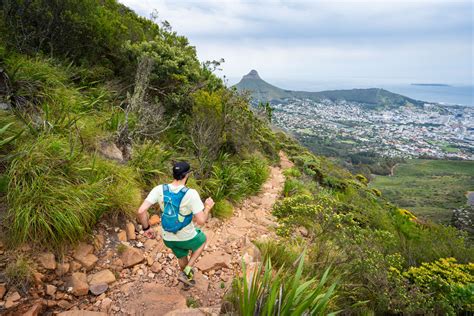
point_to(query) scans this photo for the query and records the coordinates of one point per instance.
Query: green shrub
(292, 172)
(443, 277)
(277, 293)
(223, 209)
(447, 286)
(293, 187)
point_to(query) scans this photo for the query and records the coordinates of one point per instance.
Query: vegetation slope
(78, 77)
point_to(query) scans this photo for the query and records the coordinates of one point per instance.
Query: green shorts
(181, 248)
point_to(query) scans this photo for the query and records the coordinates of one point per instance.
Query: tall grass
(236, 180)
(278, 293)
(151, 162)
(56, 193)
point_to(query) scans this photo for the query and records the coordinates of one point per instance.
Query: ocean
(452, 94)
(461, 95)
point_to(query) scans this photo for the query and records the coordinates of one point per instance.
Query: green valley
(430, 189)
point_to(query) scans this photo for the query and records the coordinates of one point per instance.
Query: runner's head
(180, 170)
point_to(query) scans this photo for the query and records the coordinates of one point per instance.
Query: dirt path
(121, 272)
(229, 242)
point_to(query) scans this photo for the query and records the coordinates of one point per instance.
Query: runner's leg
(196, 254)
(183, 262)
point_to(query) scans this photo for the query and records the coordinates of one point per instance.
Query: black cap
(180, 169)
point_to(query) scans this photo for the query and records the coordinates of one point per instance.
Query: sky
(300, 44)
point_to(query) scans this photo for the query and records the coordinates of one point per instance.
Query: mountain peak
(253, 74)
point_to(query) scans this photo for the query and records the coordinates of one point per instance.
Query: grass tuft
(223, 209)
(19, 274)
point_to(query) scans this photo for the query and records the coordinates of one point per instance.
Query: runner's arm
(143, 214)
(202, 217)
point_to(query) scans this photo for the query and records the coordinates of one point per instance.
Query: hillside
(95, 108)
(262, 91)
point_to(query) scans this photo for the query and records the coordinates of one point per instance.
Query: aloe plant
(278, 293)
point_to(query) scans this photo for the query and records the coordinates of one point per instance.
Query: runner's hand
(209, 203)
(150, 234)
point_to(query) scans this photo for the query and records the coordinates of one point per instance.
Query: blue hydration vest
(171, 219)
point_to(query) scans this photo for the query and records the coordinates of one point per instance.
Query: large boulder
(214, 261)
(131, 257)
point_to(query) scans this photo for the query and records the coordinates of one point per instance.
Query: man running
(180, 207)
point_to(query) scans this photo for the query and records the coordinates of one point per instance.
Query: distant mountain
(372, 98)
(260, 89)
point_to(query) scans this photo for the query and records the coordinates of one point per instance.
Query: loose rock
(105, 305)
(99, 288)
(35, 310)
(131, 257)
(104, 276)
(3, 290)
(154, 219)
(82, 313)
(47, 260)
(50, 289)
(130, 229)
(78, 282)
(122, 235)
(156, 267)
(62, 268)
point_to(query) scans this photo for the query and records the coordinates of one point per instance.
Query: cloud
(424, 40)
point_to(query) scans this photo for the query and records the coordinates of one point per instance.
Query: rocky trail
(121, 272)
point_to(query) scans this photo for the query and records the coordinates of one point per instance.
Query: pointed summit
(253, 74)
(260, 89)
